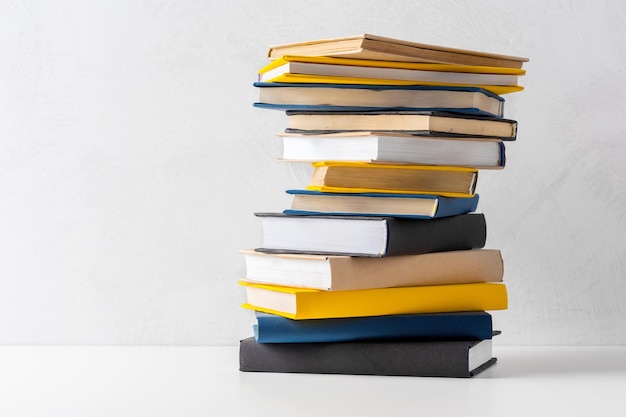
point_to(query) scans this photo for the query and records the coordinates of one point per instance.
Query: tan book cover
(368, 46)
(356, 273)
(423, 122)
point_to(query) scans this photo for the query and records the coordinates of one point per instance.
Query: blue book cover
(321, 107)
(465, 325)
(443, 206)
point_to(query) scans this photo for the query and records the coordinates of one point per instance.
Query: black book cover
(410, 236)
(447, 358)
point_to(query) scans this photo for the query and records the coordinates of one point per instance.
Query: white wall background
(132, 161)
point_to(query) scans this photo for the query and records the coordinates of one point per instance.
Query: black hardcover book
(370, 236)
(444, 358)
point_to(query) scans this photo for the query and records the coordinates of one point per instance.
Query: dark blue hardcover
(465, 325)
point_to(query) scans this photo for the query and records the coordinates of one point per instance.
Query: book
(368, 46)
(299, 69)
(307, 202)
(339, 273)
(442, 358)
(305, 303)
(310, 96)
(370, 236)
(363, 177)
(415, 122)
(394, 148)
(471, 325)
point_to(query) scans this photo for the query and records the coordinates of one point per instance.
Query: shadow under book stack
(379, 265)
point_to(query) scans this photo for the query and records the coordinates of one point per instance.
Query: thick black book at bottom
(444, 358)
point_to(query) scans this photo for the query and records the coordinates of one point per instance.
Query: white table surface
(205, 381)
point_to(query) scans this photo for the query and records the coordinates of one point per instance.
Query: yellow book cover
(476, 69)
(365, 177)
(369, 72)
(300, 303)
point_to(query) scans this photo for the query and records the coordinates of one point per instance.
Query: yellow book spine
(327, 189)
(422, 66)
(313, 304)
(394, 166)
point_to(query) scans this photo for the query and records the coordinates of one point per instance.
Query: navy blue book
(359, 97)
(441, 326)
(311, 202)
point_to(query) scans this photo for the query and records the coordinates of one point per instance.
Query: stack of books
(379, 266)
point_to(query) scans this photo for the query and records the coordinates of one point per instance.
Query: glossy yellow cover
(477, 69)
(394, 166)
(330, 189)
(327, 189)
(324, 79)
(318, 304)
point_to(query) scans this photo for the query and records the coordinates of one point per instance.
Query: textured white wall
(132, 161)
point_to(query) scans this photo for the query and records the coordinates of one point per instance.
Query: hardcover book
(442, 358)
(370, 236)
(310, 96)
(394, 148)
(369, 46)
(299, 69)
(307, 202)
(363, 177)
(336, 273)
(414, 122)
(470, 325)
(304, 303)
